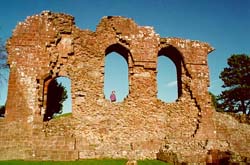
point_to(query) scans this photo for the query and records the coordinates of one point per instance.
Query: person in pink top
(113, 96)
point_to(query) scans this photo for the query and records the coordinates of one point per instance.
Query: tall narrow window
(166, 80)
(58, 98)
(116, 76)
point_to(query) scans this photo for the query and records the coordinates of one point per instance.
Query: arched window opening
(166, 80)
(169, 74)
(116, 76)
(4, 77)
(58, 100)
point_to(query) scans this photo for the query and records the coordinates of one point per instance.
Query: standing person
(113, 96)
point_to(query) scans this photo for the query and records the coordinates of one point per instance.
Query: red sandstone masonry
(49, 45)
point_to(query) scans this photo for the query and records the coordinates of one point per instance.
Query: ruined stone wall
(49, 45)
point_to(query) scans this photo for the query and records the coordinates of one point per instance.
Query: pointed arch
(116, 71)
(48, 96)
(171, 57)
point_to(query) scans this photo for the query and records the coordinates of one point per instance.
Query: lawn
(81, 162)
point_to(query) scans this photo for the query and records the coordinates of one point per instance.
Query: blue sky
(225, 24)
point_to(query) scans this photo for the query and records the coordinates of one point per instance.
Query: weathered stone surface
(49, 45)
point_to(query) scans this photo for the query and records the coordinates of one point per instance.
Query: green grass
(62, 115)
(151, 162)
(81, 162)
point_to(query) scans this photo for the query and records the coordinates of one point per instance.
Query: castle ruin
(49, 45)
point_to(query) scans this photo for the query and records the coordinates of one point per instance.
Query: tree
(214, 102)
(57, 94)
(3, 64)
(3, 58)
(2, 110)
(3, 55)
(236, 78)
